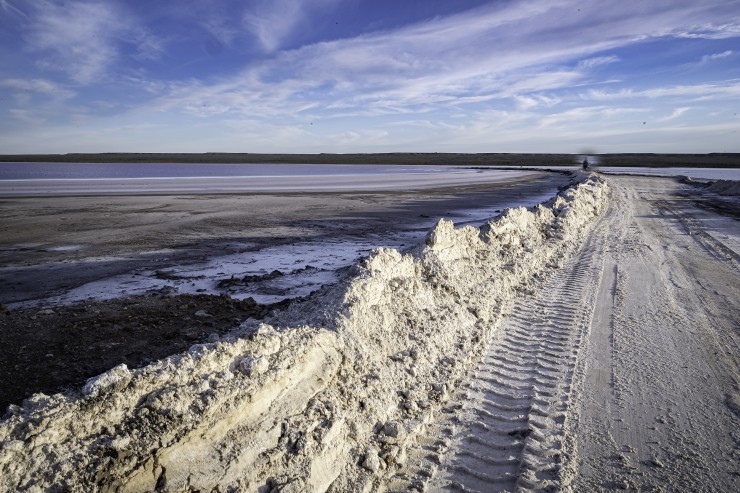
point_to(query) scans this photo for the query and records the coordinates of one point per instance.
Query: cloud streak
(695, 92)
(38, 86)
(491, 52)
(716, 56)
(273, 22)
(84, 39)
(502, 74)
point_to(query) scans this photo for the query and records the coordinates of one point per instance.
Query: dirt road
(620, 372)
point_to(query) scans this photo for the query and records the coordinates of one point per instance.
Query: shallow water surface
(57, 179)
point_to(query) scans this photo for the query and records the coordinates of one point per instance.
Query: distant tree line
(718, 160)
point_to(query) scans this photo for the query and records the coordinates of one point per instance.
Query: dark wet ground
(53, 349)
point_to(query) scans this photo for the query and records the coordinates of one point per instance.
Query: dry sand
(588, 345)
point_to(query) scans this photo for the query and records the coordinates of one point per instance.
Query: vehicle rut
(696, 230)
(503, 430)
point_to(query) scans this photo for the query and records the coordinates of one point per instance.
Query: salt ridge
(326, 397)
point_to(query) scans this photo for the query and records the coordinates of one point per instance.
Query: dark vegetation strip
(716, 160)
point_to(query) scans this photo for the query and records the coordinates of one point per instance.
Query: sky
(340, 76)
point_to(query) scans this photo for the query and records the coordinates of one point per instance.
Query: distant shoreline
(713, 160)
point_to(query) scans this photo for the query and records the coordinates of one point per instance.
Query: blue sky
(369, 76)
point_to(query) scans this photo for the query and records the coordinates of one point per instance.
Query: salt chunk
(114, 379)
(254, 365)
(13, 445)
(392, 429)
(372, 460)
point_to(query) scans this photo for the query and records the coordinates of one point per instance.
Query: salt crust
(324, 398)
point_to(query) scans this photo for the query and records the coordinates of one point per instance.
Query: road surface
(620, 372)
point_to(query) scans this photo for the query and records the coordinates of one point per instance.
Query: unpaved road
(619, 373)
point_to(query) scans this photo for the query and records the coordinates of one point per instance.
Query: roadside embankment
(327, 396)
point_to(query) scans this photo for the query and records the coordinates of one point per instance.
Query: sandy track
(504, 430)
(619, 373)
(659, 400)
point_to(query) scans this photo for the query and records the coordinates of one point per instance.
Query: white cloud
(711, 30)
(598, 61)
(272, 22)
(526, 102)
(716, 56)
(506, 76)
(675, 114)
(83, 38)
(40, 86)
(586, 114)
(497, 51)
(696, 92)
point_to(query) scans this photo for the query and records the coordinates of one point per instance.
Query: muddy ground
(50, 350)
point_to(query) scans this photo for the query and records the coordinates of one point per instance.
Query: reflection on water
(96, 171)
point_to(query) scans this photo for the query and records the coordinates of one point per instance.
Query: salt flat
(53, 244)
(295, 182)
(587, 345)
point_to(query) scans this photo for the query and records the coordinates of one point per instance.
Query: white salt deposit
(304, 265)
(326, 397)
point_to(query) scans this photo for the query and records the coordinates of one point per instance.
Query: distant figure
(585, 164)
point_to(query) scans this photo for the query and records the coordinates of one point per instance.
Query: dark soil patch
(54, 349)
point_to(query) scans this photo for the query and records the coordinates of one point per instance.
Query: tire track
(695, 229)
(655, 384)
(503, 430)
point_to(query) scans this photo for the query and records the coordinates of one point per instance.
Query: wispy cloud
(500, 50)
(696, 91)
(26, 116)
(10, 7)
(711, 30)
(83, 39)
(716, 56)
(598, 61)
(38, 86)
(675, 114)
(273, 21)
(503, 74)
(586, 114)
